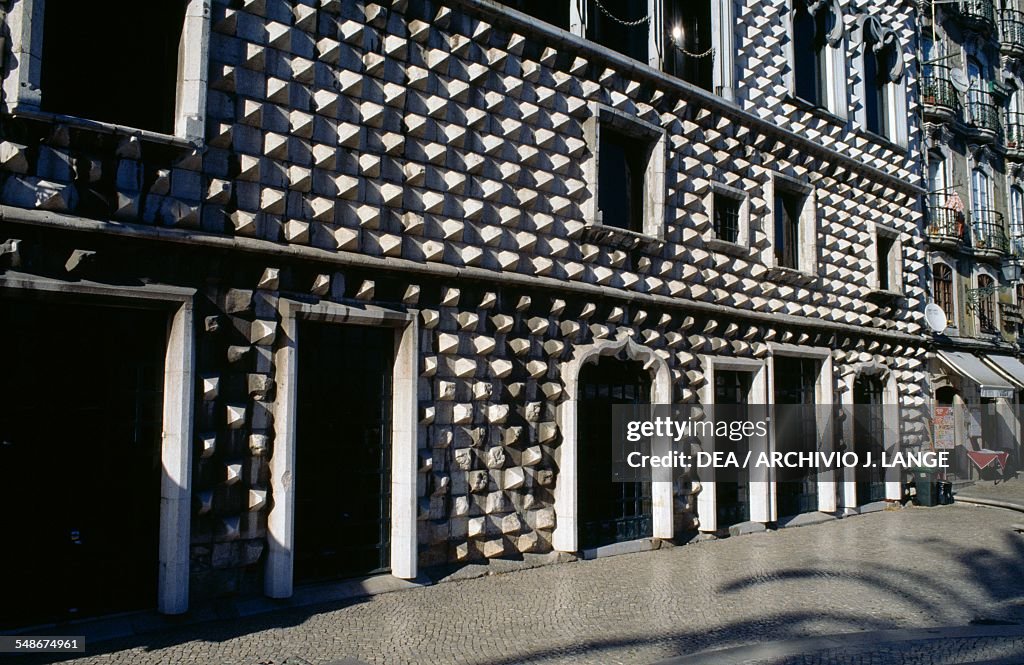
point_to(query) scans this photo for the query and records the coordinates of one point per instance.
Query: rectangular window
(619, 25)
(886, 262)
(788, 206)
(689, 52)
(986, 305)
(810, 64)
(875, 91)
(102, 62)
(622, 167)
(555, 12)
(943, 288)
(727, 218)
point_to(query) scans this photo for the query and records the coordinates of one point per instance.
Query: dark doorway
(81, 409)
(869, 438)
(610, 512)
(732, 486)
(796, 430)
(343, 451)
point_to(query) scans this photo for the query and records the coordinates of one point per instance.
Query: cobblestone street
(911, 568)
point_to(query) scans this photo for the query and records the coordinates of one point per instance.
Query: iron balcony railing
(1014, 131)
(945, 221)
(982, 114)
(1011, 30)
(979, 11)
(936, 88)
(989, 231)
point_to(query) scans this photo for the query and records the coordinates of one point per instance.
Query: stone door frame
(178, 407)
(566, 534)
(279, 574)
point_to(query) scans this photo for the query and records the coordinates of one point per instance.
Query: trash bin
(945, 489)
(927, 487)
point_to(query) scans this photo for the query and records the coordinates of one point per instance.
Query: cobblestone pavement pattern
(917, 567)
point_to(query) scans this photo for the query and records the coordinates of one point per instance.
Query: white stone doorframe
(279, 578)
(823, 396)
(566, 534)
(178, 396)
(760, 495)
(891, 436)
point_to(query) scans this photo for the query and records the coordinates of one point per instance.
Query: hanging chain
(704, 54)
(628, 24)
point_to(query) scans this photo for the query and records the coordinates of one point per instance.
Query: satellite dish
(935, 317)
(959, 79)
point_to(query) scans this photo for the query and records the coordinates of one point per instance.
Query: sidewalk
(911, 569)
(1009, 492)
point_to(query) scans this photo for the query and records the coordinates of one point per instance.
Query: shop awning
(991, 383)
(1009, 367)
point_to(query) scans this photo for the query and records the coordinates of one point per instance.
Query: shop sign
(945, 427)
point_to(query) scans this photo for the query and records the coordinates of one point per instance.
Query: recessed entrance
(80, 462)
(795, 382)
(343, 451)
(732, 486)
(610, 512)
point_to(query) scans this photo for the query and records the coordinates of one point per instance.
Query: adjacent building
(971, 91)
(301, 290)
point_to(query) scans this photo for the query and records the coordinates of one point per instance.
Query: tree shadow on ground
(986, 586)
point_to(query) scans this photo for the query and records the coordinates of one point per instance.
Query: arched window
(810, 72)
(882, 70)
(986, 305)
(942, 289)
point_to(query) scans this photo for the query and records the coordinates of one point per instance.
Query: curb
(990, 502)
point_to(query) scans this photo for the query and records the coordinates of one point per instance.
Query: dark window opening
(727, 218)
(885, 246)
(809, 63)
(104, 62)
(986, 305)
(787, 229)
(622, 166)
(688, 53)
(875, 98)
(555, 12)
(942, 281)
(617, 31)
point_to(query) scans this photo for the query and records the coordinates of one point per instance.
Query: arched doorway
(610, 512)
(869, 437)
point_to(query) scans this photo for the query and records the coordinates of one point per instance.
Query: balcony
(981, 117)
(1011, 33)
(1013, 139)
(937, 93)
(989, 233)
(978, 14)
(945, 224)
